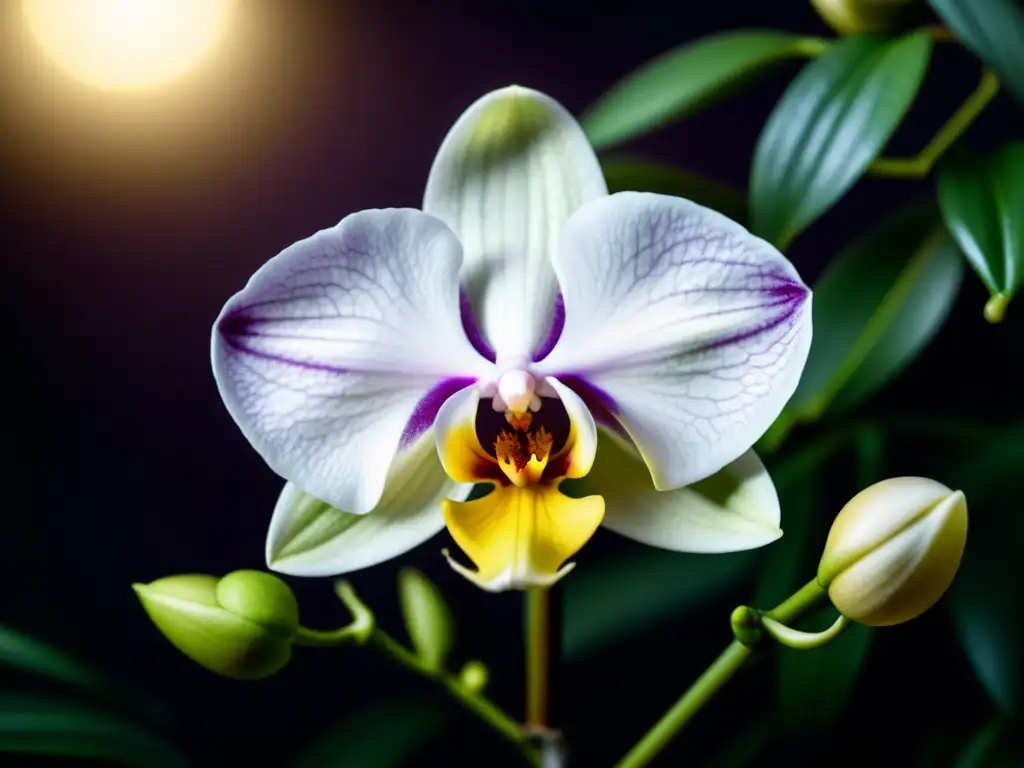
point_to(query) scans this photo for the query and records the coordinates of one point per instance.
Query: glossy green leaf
(832, 121)
(382, 735)
(33, 656)
(634, 174)
(46, 726)
(815, 685)
(994, 31)
(626, 595)
(982, 201)
(876, 306)
(427, 617)
(687, 78)
(988, 592)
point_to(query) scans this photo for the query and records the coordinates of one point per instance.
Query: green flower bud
(856, 17)
(427, 618)
(474, 676)
(240, 626)
(894, 549)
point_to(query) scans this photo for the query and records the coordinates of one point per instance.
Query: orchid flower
(387, 364)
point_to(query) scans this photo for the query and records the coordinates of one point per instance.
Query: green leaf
(786, 565)
(988, 592)
(876, 306)
(634, 174)
(832, 121)
(982, 201)
(815, 685)
(383, 735)
(33, 656)
(46, 726)
(869, 448)
(427, 617)
(993, 30)
(992, 746)
(609, 601)
(687, 78)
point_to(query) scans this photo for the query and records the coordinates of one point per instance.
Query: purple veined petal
(554, 332)
(423, 416)
(693, 331)
(509, 174)
(340, 346)
(472, 327)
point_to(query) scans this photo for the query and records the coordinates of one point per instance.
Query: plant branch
(714, 678)
(364, 631)
(921, 165)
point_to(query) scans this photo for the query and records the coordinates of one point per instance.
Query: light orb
(126, 44)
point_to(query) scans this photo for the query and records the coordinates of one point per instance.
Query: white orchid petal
(309, 537)
(582, 440)
(735, 509)
(689, 330)
(340, 350)
(508, 176)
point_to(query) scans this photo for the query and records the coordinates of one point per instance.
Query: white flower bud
(894, 549)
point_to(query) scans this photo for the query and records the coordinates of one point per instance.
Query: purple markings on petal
(554, 332)
(472, 329)
(789, 295)
(237, 327)
(788, 289)
(426, 410)
(600, 404)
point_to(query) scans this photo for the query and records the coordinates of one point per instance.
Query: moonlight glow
(125, 44)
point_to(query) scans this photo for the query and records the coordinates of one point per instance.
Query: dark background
(128, 221)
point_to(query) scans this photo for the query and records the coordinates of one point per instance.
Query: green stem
(921, 165)
(805, 598)
(717, 675)
(803, 641)
(323, 638)
(363, 631)
(542, 645)
(479, 705)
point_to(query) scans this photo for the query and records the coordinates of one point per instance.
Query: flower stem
(708, 684)
(363, 631)
(543, 649)
(479, 705)
(803, 641)
(921, 165)
(543, 644)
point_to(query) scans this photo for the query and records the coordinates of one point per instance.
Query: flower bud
(474, 676)
(240, 626)
(894, 549)
(427, 617)
(856, 17)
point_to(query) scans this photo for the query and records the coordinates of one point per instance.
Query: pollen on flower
(509, 450)
(538, 444)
